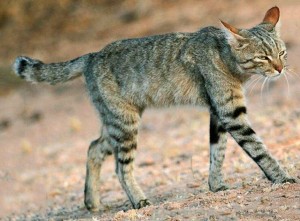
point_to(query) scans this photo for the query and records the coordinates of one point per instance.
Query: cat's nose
(278, 68)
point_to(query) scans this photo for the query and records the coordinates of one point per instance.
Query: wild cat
(205, 68)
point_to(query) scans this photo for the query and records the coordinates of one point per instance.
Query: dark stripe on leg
(232, 97)
(221, 129)
(248, 132)
(238, 111)
(122, 138)
(213, 132)
(125, 161)
(235, 127)
(259, 157)
(127, 149)
(242, 142)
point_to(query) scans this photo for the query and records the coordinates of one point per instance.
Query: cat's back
(155, 43)
(209, 39)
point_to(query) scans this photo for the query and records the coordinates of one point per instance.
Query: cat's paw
(91, 201)
(216, 183)
(220, 187)
(142, 203)
(91, 207)
(289, 180)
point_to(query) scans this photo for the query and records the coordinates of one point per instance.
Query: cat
(206, 68)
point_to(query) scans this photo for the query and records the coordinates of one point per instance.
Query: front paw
(289, 180)
(142, 203)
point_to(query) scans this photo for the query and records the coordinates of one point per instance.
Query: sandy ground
(45, 132)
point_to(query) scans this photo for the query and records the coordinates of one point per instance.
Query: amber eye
(281, 53)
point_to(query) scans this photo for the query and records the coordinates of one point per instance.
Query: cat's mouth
(273, 75)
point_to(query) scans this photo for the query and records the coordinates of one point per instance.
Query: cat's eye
(263, 58)
(281, 53)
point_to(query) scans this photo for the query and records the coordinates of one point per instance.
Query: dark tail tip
(20, 65)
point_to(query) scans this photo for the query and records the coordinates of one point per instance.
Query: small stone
(193, 185)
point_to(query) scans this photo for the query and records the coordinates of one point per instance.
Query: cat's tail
(36, 71)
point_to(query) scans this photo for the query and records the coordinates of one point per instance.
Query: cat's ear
(272, 19)
(233, 36)
(272, 16)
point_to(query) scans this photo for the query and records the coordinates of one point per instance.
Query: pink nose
(278, 68)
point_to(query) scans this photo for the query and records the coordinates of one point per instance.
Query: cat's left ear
(233, 36)
(272, 21)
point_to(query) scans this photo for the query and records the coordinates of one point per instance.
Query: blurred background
(45, 131)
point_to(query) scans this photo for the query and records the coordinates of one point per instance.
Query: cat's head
(259, 50)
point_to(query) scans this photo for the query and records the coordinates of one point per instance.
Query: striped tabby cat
(205, 68)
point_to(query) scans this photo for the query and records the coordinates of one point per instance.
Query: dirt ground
(45, 130)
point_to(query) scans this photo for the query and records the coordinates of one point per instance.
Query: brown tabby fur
(205, 68)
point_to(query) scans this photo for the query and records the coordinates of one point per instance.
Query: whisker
(291, 70)
(262, 88)
(293, 73)
(251, 82)
(287, 82)
(268, 85)
(290, 74)
(253, 86)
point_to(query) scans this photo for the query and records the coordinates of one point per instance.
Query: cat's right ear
(233, 36)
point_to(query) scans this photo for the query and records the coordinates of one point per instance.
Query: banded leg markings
(218, 139)
(238, 111)
(123, 137)
(253, 146)
(215, 131)
(97, 153)
(125, 161)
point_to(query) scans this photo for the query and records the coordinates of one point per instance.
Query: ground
(45, 131)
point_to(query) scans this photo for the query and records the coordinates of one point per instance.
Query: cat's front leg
(218, 140)
(254, 147)
(231, 111)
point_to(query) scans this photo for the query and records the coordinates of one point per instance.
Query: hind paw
(221, 187)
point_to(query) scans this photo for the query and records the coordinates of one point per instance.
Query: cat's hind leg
(218, 140)
(97, 153)
(122, 128)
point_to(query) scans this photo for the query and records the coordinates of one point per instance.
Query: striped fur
(205, 68)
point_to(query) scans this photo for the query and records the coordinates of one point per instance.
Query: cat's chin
(276, 76)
